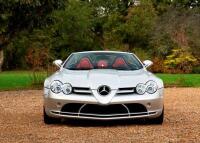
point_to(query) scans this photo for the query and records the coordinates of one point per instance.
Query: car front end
(103, 94)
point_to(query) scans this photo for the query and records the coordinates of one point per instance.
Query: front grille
(71, 107)
(82, 91)
(134, 108)
(104, 111)
(109, 109)
(88, 91)
(126, 90)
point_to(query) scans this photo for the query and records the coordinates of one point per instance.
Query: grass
(181, 80)
(16, 80)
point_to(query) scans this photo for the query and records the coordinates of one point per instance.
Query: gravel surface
(21, 121)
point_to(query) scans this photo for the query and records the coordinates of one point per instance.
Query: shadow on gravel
(96, 123)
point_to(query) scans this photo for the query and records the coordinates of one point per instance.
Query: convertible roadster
(103, 85)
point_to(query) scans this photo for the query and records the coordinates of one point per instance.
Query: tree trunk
(1, 59)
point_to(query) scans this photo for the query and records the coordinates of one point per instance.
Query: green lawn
(181, 80)
(14, 80)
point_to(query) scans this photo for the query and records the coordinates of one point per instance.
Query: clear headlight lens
(151, 87)
(141, 88)
(56, 86)
(67, 88)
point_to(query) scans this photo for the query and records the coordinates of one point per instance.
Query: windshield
(102, 60)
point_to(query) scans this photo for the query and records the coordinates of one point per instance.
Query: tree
(177, 29)
(19, 15)
(122, 24)
(72, 30)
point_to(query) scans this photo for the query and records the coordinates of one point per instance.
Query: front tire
(49, 120)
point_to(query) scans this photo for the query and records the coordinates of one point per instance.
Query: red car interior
(119, 62)
(102, 64)
(84, 64)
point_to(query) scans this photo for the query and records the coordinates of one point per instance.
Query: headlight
(56, 86)
(141, 88)
(151, 87)
(67, 88)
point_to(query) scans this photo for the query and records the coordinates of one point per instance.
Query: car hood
(94, 78)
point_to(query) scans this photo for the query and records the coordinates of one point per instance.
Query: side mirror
(147, 63)
(58, 63)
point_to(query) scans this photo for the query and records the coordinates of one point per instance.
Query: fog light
(149, 105)
(58, 104)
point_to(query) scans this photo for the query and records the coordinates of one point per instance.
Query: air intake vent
(82, 91)
(126, 90)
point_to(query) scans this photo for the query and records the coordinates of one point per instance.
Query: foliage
(72, 29)
(141, 54)
(24, 51)
(196, 69)
(15, 52)
(132, 29)
(177, 28)
(151, 30)
(17, 15)
(180, 61)
(158, 65)
(18, 19)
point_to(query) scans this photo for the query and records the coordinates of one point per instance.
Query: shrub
(142, 54)
(37, 78)
(180, 61)
(196, 70)
(158, 65)
(37, 59)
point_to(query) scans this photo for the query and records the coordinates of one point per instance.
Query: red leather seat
(119, 62)
(84, 63)
(102, 64)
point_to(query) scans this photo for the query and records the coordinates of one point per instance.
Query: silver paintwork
(95, 78)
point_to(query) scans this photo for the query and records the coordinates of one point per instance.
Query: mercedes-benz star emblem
(104, 90)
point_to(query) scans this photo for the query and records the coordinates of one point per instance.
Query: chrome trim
(103, 89)
(79, 111)
(126, 109)
(82, 91)
(104, 117)
(125, 91)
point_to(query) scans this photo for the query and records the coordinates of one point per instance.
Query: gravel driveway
(21, 121)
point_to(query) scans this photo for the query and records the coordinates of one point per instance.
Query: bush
(196, 70)
(158, 65)
(37, 59)
(180, 61)
(142, 54)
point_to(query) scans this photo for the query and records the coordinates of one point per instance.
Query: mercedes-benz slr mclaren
(103, 85)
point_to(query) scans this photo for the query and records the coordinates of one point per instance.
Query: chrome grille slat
(126, 90)
(103, 114)
(82, 90)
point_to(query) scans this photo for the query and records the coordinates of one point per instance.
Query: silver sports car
(103, 85)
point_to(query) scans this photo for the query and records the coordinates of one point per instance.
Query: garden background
(33, 33)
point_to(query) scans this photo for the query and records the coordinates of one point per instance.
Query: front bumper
(88, 107)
